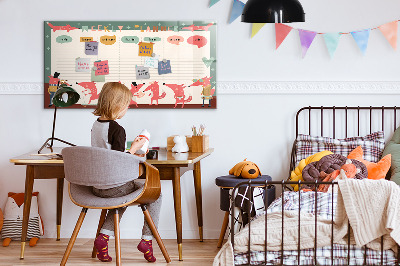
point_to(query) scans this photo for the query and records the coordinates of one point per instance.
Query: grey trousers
(153, 208)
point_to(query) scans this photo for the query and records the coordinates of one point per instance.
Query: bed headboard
(344, 121)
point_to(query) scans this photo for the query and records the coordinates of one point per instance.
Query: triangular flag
(213, 2)
(255, 28)
(306, 39)
(237, 9)
(361, 37)
(281, 31)
(389, 30)
(332, 41)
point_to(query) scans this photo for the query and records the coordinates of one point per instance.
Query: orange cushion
(375, 170)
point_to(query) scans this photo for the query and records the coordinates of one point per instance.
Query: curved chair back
(92, 166)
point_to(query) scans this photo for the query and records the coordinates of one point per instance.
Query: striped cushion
(13, 228)
(372, 145)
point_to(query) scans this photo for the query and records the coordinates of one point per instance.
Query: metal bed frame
(284, 184)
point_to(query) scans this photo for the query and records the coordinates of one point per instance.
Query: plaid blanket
(324, 257)
(323, 205)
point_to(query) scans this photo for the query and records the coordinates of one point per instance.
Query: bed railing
(283, 184)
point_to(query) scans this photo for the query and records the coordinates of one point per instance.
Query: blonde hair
(113, 97)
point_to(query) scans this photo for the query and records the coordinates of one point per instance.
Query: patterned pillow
(372, 145)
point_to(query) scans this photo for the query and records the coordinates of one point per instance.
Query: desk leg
(176, 182)
(197, 189)
(60, 190)
(27, 206)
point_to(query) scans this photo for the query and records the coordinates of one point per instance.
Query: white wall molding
(260, 87)
(21, 88)
(309, 87)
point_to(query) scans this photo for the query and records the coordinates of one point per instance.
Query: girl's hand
(142, 155)
(137, 144)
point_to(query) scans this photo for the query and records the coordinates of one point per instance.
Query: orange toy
(245, 169)
(375, 170)
(348, 170)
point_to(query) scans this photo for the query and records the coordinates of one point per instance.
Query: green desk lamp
(65, 96)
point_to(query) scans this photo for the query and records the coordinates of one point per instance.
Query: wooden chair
(85, 167)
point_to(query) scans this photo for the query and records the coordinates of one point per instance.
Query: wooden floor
(50, 252)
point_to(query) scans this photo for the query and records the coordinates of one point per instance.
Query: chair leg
(117, 239)
(223, 229)
(101, 222)
(154, 230)
(73, 237)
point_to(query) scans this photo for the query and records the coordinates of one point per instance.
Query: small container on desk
(200, 143)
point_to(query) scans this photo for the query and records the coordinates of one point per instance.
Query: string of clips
(345, 32)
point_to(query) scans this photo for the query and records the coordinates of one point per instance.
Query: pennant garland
(237, 8)
(361, 37)
(332, 41)
(306, 39)
(213, 2)
(281, 31)
(389, 30)
(256, 27)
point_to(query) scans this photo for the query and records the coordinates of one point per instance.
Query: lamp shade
(273, 11)
(65, 96)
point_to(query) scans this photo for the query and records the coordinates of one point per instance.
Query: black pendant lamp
(273, 11)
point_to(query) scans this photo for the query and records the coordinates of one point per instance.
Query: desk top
(164, 157)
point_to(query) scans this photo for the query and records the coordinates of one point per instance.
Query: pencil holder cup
(200, 143)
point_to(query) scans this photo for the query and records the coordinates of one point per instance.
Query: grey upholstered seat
(85, 167)
(83, 196)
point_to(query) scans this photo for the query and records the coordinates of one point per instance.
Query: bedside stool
(228, 182)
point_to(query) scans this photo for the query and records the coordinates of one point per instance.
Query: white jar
(144, 134)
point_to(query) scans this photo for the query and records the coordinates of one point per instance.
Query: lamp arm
(46, 143)
(54, 125)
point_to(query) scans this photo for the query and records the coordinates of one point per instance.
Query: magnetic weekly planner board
(165, 64)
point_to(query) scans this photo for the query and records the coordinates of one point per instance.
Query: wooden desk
(171, 167)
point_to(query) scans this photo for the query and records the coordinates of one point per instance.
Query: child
(113, 103)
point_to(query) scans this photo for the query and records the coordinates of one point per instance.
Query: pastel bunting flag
(306, 39)
(361, 37)
(213, 2)
(389, 30)
(332, 41)
(237, 8)
(281, 31)
(256, 27)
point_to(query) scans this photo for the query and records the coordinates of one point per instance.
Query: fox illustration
(135, 89)
(155, 92)
(208, 90)
(90, 88)
(179, 94)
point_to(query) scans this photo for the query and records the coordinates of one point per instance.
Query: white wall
(257, 127)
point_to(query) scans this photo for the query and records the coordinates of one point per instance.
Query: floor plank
(49, 252)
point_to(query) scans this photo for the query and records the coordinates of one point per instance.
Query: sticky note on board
(82, 64)
(151, 62)
(99, 78)
(145, 48)
(142, 72)
(101, 68)
(164, 67)
(91, 48)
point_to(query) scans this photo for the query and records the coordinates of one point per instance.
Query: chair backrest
(92, 166)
